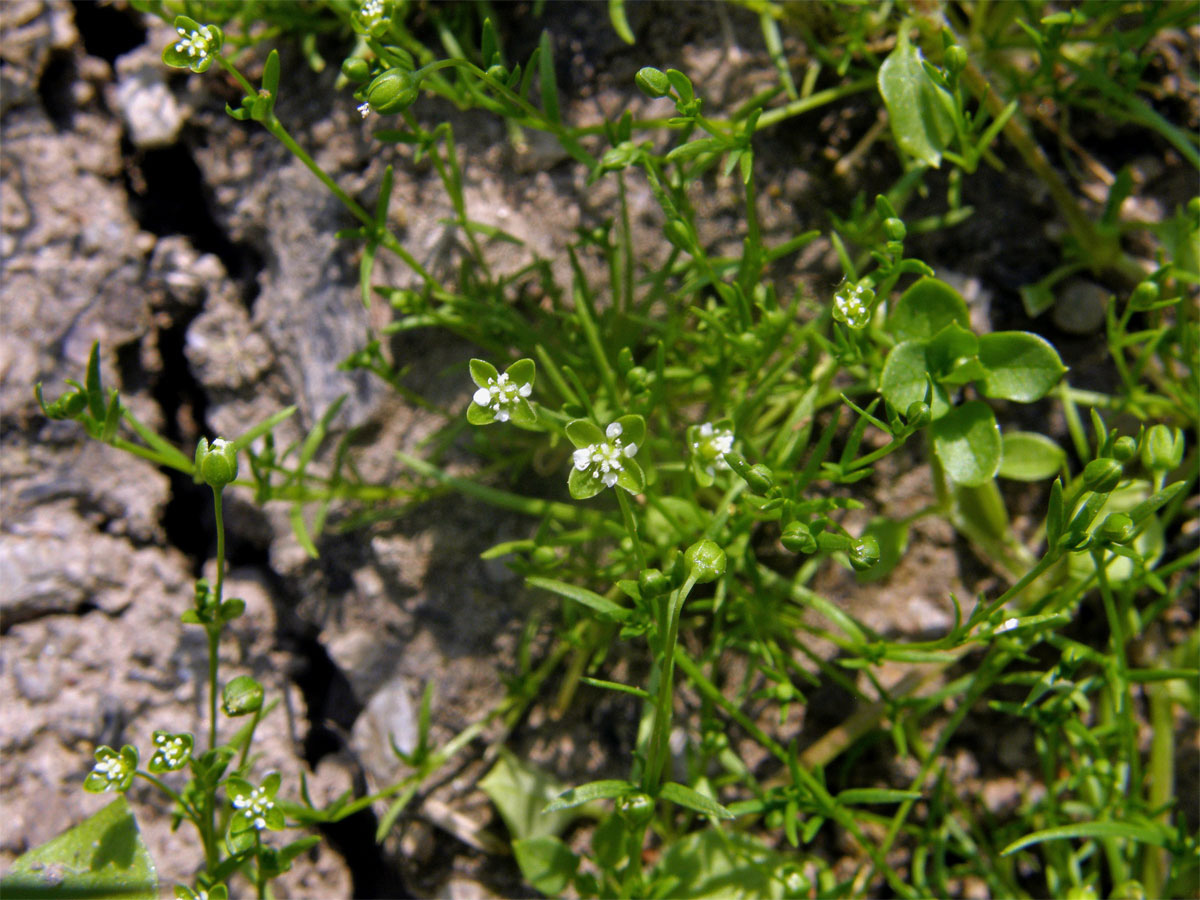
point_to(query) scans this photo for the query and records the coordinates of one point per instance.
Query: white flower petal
(614, 430)
(583, 458)
(630, 450)
(609, 479)
(483, 397)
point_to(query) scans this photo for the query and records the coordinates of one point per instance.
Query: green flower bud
(652, 583)
(760, 478)
(1129, 890)
(1124, 449)
(543, 557)
(638, 379)
(894, 229)
(956, 59)
(356, 69)
(865, 553)
(498, 72)
(652, 82)
(1102, 475)
(242, 696)
(216, 464)
(705, 561)
(1162, 450)
(635, 809)
(798, 538)
(624, 360)
(392, 91)
(918, 414)
(748, 344)
(1144, 295)
(1117, 528)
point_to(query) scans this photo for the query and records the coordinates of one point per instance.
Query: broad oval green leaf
(967, 442)
(927, 307)
(1029, 456)
(902, 381)
(521, 791)
(103, 856)
(547, 863)
(1020, 366)
(919, 110)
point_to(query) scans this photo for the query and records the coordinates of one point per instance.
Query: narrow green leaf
(1145, 834)
(608, 789)
(681, 795)
(95, 390)
(859, 796)
(300, 529)
(583, 596)
(549, 83)
(620, 24)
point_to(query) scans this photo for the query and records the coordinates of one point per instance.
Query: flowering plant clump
(113, 771)
(501, 397)
(708, 444)
(197, 45)
(171, 751)
(604, 459)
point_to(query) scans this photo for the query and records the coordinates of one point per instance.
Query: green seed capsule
(216, 464)
(652, 82)
(392, 91)
(356, 69)
(705, 561)
(865, 553)
(1124, 449)
(1102, 475)
(635, 808)
(798, 538)
(652, 583)
(242, 696)
(956, 59)
(894, 229)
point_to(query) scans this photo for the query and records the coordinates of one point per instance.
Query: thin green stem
(659, 739)
(631, 527)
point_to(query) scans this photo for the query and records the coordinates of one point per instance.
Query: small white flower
(852, 304)
(371, 11)
(605, 459)
(197, 44)
(501, 394)
(714, 443)
(1008, 625)
(113, 769)
(364, 109)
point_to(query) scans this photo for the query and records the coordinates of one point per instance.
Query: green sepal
(583, 485)
(631, 477)
(523, 415)
(522, 372)
(482, 372)
(584, 433)
(480, 415)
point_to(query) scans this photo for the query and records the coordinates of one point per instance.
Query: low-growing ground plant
(709, 429)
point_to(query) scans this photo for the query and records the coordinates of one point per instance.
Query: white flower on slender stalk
(709, 443)
(254, 807)
(113, 771)
(196, 46)
(371, 12)
(501, 397)
(604, 459)
(852, 304)
(171, 751)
